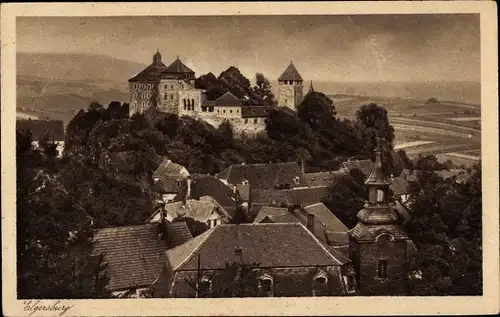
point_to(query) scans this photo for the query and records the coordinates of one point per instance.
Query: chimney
(238, 255)
(302, 166)
(310, 222)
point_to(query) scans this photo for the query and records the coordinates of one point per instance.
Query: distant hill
(80, 67)
(56, 86)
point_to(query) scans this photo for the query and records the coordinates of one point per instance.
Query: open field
(411, 144)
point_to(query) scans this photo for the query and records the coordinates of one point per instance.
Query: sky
(430, 47)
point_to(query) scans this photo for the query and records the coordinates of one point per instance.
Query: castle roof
(290, 73)
(178, 67)
(149, 73)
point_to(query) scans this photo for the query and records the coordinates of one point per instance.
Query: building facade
(291, 89)
(169, 88)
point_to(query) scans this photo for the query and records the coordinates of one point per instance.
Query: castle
(172, 89)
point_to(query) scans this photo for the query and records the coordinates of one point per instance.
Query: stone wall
(290, 95)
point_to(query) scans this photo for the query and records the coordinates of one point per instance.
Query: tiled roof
(399, 186)
(40, 128)
(290, 73)
(284, 218)
(228, 96)
(200, 210)
(150, 73)
(169, 174)
(298, 196)
(135, 255)
(177, 67)
(207, 185)
(327, 218)
(254, 111)
(322, 178)
(263, 176)
(259, 243)
(270, 211)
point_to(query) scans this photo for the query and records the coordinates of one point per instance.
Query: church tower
(291, 90)
(379, 245)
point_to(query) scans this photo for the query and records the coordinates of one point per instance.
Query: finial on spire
(378, 151)
(177, 56)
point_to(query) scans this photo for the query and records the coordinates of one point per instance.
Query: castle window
(382, 269)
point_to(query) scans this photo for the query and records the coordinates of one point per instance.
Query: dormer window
(296, 180)
(266, 285)
(204, 286)
(320, 284)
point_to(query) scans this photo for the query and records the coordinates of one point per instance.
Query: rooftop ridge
(200, 243)
(321, 244)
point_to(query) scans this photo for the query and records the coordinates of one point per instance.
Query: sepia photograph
(271, 155)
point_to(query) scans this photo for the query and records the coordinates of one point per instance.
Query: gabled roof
(254, 111)
(259, 243)
(290, 73)
(169, 174)
(177, 67)
(266, 211)
(208, 185)
(135, 255)
(228, 96)
(327, 218)
(263, 176)
(399, 186)
(54, 129)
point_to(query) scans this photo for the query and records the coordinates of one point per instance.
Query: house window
(255, 120)
(165, 86)
(237, 111)
(382, 269)
(171, 97)
(224, 111)
(246, 120)
(171, 86)
(215, 222)
(380, 196)
(209, 223)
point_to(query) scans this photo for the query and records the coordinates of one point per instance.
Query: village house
(205, 210)
(52, 130)
(286, 259)
(170, 179)
(135, 255)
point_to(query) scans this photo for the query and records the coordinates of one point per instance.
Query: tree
(240, 216)
(316, 109)
(262, 91)
(54, 233)
(346, 197)
(446, 228)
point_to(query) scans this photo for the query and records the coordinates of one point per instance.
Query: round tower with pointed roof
(291, 89)
(379, 245)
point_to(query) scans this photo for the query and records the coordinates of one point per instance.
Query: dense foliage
(54, 229)
(446, 227)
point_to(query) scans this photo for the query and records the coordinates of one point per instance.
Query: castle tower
(157, 57)
(291, 91)
(379, 245)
